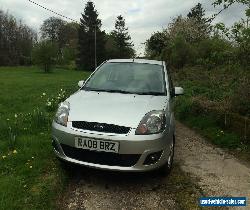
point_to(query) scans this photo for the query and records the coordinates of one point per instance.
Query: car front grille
(100, 127)
(102, 158)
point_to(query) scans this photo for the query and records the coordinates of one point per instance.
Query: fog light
(152, 158)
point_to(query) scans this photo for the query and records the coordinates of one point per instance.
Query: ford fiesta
(120, 119)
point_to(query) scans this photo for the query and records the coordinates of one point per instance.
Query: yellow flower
(3, 156)
(14, 152)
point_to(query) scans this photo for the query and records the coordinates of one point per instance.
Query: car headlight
(153, 122)
(62, 113)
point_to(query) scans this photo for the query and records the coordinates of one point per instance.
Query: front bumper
(130, 144)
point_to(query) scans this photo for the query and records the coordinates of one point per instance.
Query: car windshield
(136, 78)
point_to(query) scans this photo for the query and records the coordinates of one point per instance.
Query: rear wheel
(167, 167)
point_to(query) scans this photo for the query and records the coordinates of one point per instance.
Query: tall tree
(155, 44)
(197, 14)
(90, 36)
(68, 35)
(51, 28)
(122, 39)
(16, 41)
(111, 47)
(44, 54)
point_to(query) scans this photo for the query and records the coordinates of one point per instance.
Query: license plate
(97, 145)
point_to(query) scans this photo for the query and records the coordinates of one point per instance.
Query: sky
(143, 17)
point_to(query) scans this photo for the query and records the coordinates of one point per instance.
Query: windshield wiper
(109, 91)
(151, 93)
(94, 89)
(125, 92)
(119, 91)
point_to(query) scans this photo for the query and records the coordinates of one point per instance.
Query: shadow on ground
(98, 189)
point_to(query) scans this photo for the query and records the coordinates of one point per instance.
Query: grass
(29, 174)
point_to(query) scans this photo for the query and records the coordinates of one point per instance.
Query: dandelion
(31, 167)
(32, 157)
(14, 152)
(15, 115)
(8, 119)
(222, 131)
(44, 94)
(3, 156)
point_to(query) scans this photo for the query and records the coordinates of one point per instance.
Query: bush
(45, 54)
(241, 98)
(213, 52)
(180, 52)
(183, 106)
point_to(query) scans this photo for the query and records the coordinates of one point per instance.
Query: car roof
(135, 61)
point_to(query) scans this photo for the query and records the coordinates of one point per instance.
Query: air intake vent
(100, 127)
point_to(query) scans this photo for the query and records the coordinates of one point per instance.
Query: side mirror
(81, 83)
(178, 91)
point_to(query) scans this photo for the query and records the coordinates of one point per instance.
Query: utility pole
(95, 49)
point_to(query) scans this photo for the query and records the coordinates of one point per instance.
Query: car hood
(113, 108)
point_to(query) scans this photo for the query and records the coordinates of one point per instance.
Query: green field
(29, 174)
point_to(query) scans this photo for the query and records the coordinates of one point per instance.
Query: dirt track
(220, 174)
(215, 172)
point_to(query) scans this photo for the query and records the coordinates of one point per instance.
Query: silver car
(120, 119)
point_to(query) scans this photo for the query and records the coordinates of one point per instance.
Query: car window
(128, 77)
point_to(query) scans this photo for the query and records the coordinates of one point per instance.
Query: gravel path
(93, 189)
(217, 174)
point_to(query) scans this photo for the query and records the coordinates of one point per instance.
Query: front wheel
(167, 167)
